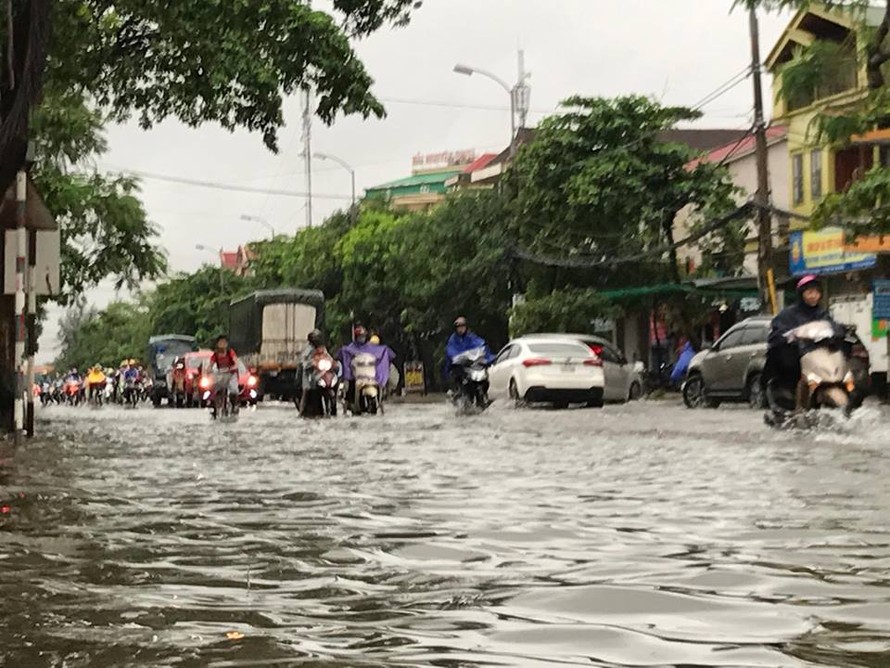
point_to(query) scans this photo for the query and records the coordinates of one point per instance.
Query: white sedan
(624, 380)
(544, 369)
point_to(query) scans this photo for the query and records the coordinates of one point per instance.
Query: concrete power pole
(307, 151)
(765, 277)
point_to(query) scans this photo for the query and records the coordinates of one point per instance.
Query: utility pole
(762, 197)
(21, 261)
(307, 151)
(522, 93)
(32, 330)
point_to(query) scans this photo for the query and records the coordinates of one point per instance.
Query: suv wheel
(755, 393)
(694, 391)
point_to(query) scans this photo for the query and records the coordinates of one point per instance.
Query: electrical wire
(231, 187)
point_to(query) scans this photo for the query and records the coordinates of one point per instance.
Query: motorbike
(470, 371)
(131, 392)
(325, 381)
(178, 396)
(73, 392)
(826, 378)
(367, 397)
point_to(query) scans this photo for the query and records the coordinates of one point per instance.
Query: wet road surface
(639, 535)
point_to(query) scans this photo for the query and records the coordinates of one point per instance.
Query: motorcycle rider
(225, 363)
(316, 345)
(461, 341)
(782, 368)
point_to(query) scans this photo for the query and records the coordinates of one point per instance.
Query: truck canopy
(274, 324)
(163, 349)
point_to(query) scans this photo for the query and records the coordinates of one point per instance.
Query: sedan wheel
(514, 395)
(756, 396)
(636, 391)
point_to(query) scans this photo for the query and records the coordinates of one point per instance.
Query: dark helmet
(316, 338)
(460, 322)
(221, 337)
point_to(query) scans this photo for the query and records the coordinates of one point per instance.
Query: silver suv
(730, 370)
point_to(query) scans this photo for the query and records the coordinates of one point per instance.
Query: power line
(583, 263)
(228, 186)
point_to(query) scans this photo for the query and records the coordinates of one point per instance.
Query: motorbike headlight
(252, 381)
(850, 381)
(253, 394)
(324, 365)
(204, 384)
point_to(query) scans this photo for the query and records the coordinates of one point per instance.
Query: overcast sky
(678, 51)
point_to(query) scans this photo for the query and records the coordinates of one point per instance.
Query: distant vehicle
(548, 369)
(624, 381)
(730, 370)
(162, 351)
(268, 332)
(194, 363)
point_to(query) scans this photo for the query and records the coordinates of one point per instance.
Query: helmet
(221, 337)
(808, 281)
(374, 340)
(460, 322)
(315, 337)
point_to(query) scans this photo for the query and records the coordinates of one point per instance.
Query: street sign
(414, 381)
(881, 305)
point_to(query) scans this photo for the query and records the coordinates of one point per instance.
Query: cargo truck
(268, 330)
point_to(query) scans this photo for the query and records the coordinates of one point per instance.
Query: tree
(104, 227)
(570, 310)
(600, 182)
(216, 61)
(864, 206)
(88, 337)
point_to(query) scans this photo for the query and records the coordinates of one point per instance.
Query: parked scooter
(470, 371)
(826, 379)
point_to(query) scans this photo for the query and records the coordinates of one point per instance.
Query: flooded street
(640, 535)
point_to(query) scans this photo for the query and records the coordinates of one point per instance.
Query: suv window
(732, 339)
(755, 335)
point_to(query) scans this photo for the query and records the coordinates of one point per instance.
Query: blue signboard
(881, 305)
(825, 252)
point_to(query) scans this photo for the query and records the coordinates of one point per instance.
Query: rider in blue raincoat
(461, 341)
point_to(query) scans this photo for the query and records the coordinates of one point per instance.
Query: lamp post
(218, 254)
(519, 94)
(262, 221)
(345, 165)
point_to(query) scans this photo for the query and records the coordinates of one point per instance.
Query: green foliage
(225, 61)
(196, 304)
(105, 230)
(571, 310)
(600, 181)
(105, 337)
(864, 208)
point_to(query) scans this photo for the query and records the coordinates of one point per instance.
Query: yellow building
(816, 169)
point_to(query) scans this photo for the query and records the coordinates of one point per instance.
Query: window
(755, 335)
(733, 339)
(505, 354)
(797, 178)
(816, 174)
(566, 349)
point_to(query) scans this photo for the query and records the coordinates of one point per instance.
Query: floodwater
(639, 535)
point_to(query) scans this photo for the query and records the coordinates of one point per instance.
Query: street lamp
(261, 221)
(345, 165)
(518, 94)
(218, 254)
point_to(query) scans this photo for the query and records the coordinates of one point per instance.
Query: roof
(284, 296)
(480, 162)
(418, 180)
(701, 139)
(229, 260)
(738, 149)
